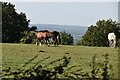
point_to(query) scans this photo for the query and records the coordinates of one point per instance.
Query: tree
(97, 35)
(13, 23)
(66, 39)
(33, 28)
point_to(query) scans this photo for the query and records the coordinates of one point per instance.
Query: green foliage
(107, 68)
(103, 70)
(66, 39)
(13, 23)
(95, 69)
(118, 42)
(97, 35)
(61, 71)
(37, 71)
(33, 28)
(28, 37)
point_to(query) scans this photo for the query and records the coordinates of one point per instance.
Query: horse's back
(54, 32)
(46, 33)
(111, 36)
(43, 31)
(41, 34)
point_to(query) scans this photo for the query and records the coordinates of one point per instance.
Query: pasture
(15, 55)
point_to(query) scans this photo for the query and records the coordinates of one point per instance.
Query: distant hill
(76, 31)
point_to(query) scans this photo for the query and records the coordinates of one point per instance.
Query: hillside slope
(18, 54)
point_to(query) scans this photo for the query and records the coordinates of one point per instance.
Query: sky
(119, 11)
(68, 13)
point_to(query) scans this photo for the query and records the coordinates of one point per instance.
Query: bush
(66, 38)
(37, 71)
(29, 37)
(118, 43)
(99, 70)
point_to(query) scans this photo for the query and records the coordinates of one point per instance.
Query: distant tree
(13, 23)
(66, 38)
(97, 35)
(33, 28)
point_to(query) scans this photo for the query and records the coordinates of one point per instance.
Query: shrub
(66, 38)
(28, 37)
(99, 70)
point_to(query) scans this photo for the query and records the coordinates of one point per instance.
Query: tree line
(15, 29)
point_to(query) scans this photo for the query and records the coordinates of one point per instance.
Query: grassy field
(17, 54)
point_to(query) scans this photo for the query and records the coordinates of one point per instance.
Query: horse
(44, 36)
(55, 35)
(112, 40)
(41, 37)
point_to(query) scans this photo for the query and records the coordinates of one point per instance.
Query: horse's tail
(59, 38)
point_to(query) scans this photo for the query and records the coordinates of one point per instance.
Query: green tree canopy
(97, 35)
(13, 23)
(33, 28)
(66, 39)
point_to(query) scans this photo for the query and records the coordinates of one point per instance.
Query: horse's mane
(53, 31)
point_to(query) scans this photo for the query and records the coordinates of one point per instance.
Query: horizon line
(59, 24)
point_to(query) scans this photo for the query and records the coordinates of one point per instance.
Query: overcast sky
(68, 13)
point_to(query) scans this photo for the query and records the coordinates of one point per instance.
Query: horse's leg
(37, 42)
(47, 40)
(44, 42)
(40, 44)
(53, 41)
(114, 44)
(56, 41)
(110, 43)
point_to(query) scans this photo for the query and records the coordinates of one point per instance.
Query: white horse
(112, 40)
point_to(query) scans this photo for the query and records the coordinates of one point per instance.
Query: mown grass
(17, 54)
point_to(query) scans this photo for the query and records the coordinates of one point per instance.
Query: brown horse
(44, 35)
(41, 37)
(55, 35)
